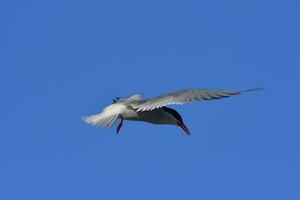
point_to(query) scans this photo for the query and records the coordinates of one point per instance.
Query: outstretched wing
(107, 117)
(184, 96)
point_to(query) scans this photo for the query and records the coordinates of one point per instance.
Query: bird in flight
(155, 110)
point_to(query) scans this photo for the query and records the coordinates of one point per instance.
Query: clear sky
(60, 59)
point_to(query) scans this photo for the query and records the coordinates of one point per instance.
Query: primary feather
(182, 97)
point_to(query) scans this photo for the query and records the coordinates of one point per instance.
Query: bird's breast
(157, 116)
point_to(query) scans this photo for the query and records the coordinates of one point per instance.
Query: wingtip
(254, 89)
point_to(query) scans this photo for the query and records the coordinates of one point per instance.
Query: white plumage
(107, 117)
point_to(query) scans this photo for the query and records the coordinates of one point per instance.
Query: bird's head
(177, 119)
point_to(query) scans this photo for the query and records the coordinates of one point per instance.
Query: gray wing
(184, 96)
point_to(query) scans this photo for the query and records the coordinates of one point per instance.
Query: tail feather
(107, 117)
(100, 120)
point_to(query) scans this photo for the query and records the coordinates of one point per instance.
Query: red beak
(183, 126)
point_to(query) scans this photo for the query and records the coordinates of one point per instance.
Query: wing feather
(183, 97)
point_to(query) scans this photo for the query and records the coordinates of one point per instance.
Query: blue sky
(62, 59)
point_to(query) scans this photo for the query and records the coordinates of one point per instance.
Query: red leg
(120, 125)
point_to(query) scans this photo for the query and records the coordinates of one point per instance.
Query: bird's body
(157, 116)
(154, 110)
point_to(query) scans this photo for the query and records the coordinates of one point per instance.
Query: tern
(155, 110)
